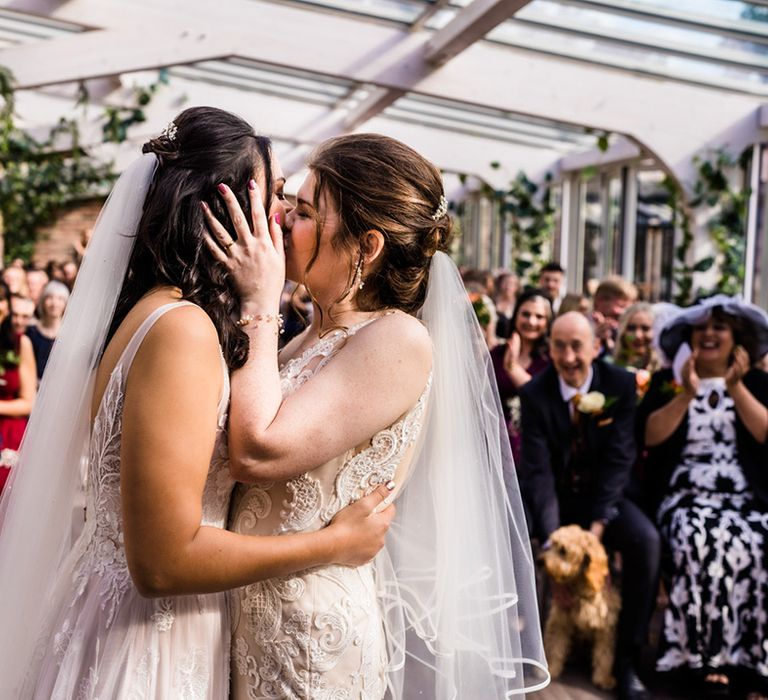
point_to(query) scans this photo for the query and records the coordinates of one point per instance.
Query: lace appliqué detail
(145, 671)
(219, 484)
(192, 676)
(105, 554)
(297, 370)
(256, 504)
(377, 463)
(163, 616)
(306, 500)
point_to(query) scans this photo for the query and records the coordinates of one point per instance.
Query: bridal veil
(38, 512)
(457, 576)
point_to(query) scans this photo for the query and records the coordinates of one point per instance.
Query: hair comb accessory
(442, 209)
(170, 131)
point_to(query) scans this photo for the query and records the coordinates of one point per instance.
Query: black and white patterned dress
(717, 613)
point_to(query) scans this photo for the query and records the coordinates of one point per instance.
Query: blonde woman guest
(50, 311)
(634, 350)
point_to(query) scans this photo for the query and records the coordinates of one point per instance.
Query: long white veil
(457, 574)
(37, 509)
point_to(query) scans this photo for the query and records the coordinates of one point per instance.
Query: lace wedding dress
(104, 640)
(317, 634)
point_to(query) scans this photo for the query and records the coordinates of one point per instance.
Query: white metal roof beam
(564, 91)
(469, 25)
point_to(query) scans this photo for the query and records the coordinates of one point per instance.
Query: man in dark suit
(578, 449)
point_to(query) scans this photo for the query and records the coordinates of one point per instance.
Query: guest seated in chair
(708, 469)
(577, 453)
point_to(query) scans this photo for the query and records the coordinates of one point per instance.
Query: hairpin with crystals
(170, 131)
(442, 209)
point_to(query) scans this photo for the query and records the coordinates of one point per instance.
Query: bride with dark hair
(136, 393)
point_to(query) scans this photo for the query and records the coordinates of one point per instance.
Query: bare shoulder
(183, 336)
(187, 323)
(25, 344)
(400, 338)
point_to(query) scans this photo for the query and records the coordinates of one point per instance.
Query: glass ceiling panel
(17, 28)
(722, 43)
(639, 36)
(405, 11)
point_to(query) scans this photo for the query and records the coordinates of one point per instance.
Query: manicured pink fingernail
(391, 485)
(251, 185)
(203, 206)
(222, 188)
(277, 219)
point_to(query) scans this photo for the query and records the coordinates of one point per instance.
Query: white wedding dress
(318, 634)
(104, 640)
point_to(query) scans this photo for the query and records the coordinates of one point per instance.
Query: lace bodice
(106, 640)
(309, 501)
(103, 540)
(317, 634)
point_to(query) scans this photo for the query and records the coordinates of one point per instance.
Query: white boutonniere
(592, 403)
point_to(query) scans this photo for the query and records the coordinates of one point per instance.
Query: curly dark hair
(376, 182)
(210, 146)
(743, 332)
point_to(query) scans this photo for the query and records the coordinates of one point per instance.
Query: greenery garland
(726, 224)
(526, 211)
(37, 180)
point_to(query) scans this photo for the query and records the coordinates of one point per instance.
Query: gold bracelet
(266, 318)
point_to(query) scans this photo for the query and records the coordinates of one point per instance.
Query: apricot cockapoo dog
(584, 604)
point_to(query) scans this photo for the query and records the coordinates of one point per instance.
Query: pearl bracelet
(266, 318)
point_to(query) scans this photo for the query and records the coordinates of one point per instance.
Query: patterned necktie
(574, 408)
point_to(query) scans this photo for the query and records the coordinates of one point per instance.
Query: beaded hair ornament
(170, 131)
(442, 209)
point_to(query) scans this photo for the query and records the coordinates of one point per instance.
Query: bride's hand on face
(256, 260)
(361, 528)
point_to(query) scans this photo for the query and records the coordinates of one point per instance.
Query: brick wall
(56, 241)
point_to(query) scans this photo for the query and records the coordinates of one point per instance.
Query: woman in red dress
(18, 381)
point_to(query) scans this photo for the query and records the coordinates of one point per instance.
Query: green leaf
(704, 264)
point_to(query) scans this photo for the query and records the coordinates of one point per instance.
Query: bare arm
(169, 427)
(22, 406)
(663, 422)
(373, 380)
(751, 412)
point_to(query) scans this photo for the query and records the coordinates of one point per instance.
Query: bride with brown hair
(371, 392)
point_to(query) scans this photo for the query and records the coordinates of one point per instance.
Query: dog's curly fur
(583, 602)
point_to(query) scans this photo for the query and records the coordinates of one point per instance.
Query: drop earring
(359, 282)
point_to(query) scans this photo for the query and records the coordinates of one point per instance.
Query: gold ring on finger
(227, 246)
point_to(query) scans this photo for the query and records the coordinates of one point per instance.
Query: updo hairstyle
(201, 148)
(376, 182)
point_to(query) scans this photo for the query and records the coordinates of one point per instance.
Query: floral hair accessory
(442, 209)
(170, 131)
